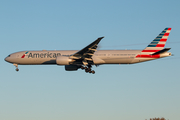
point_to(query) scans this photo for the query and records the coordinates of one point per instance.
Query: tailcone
(166, 54)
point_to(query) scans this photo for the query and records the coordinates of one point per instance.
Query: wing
(85, 55)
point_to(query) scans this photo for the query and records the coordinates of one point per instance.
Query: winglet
(98, 40)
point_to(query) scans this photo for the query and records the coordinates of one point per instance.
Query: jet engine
(71, 67)
(63, 60)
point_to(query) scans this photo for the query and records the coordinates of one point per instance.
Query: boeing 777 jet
(87, 57)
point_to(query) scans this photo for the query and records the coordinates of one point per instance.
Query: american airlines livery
(88, 56)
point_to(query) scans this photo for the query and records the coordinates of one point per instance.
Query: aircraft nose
(7, 59)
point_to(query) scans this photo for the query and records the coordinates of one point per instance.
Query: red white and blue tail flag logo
(158, 43)
(24, 54)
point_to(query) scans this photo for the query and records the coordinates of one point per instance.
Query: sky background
(116, 92)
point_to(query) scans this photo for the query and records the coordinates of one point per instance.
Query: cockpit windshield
(9, 55)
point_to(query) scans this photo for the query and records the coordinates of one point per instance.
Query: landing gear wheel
(86, 70)
(16, 65)
(89, 69)
(93, 72)
(82, 68)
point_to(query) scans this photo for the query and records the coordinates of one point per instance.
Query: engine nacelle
(63, 60)
(71, 67)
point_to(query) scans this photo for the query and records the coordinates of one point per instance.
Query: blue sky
(139, 91)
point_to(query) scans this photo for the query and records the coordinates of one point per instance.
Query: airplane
(88, 56)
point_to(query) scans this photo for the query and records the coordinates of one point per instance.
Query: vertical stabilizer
(158, 43)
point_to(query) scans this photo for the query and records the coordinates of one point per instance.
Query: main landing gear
(88, 69)
(16, 65)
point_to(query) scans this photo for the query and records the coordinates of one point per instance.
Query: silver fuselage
(99, 57)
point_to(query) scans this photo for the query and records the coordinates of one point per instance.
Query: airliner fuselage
(100, 57)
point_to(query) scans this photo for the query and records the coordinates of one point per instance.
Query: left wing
(85, 55)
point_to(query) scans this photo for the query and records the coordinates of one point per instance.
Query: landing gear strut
(88, 69)
(16, 65)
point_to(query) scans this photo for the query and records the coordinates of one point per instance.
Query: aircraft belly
(138, 60)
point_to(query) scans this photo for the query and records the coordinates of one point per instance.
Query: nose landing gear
(88, 69)
(16, 65)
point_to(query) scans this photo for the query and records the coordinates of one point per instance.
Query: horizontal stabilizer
(161, 51)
